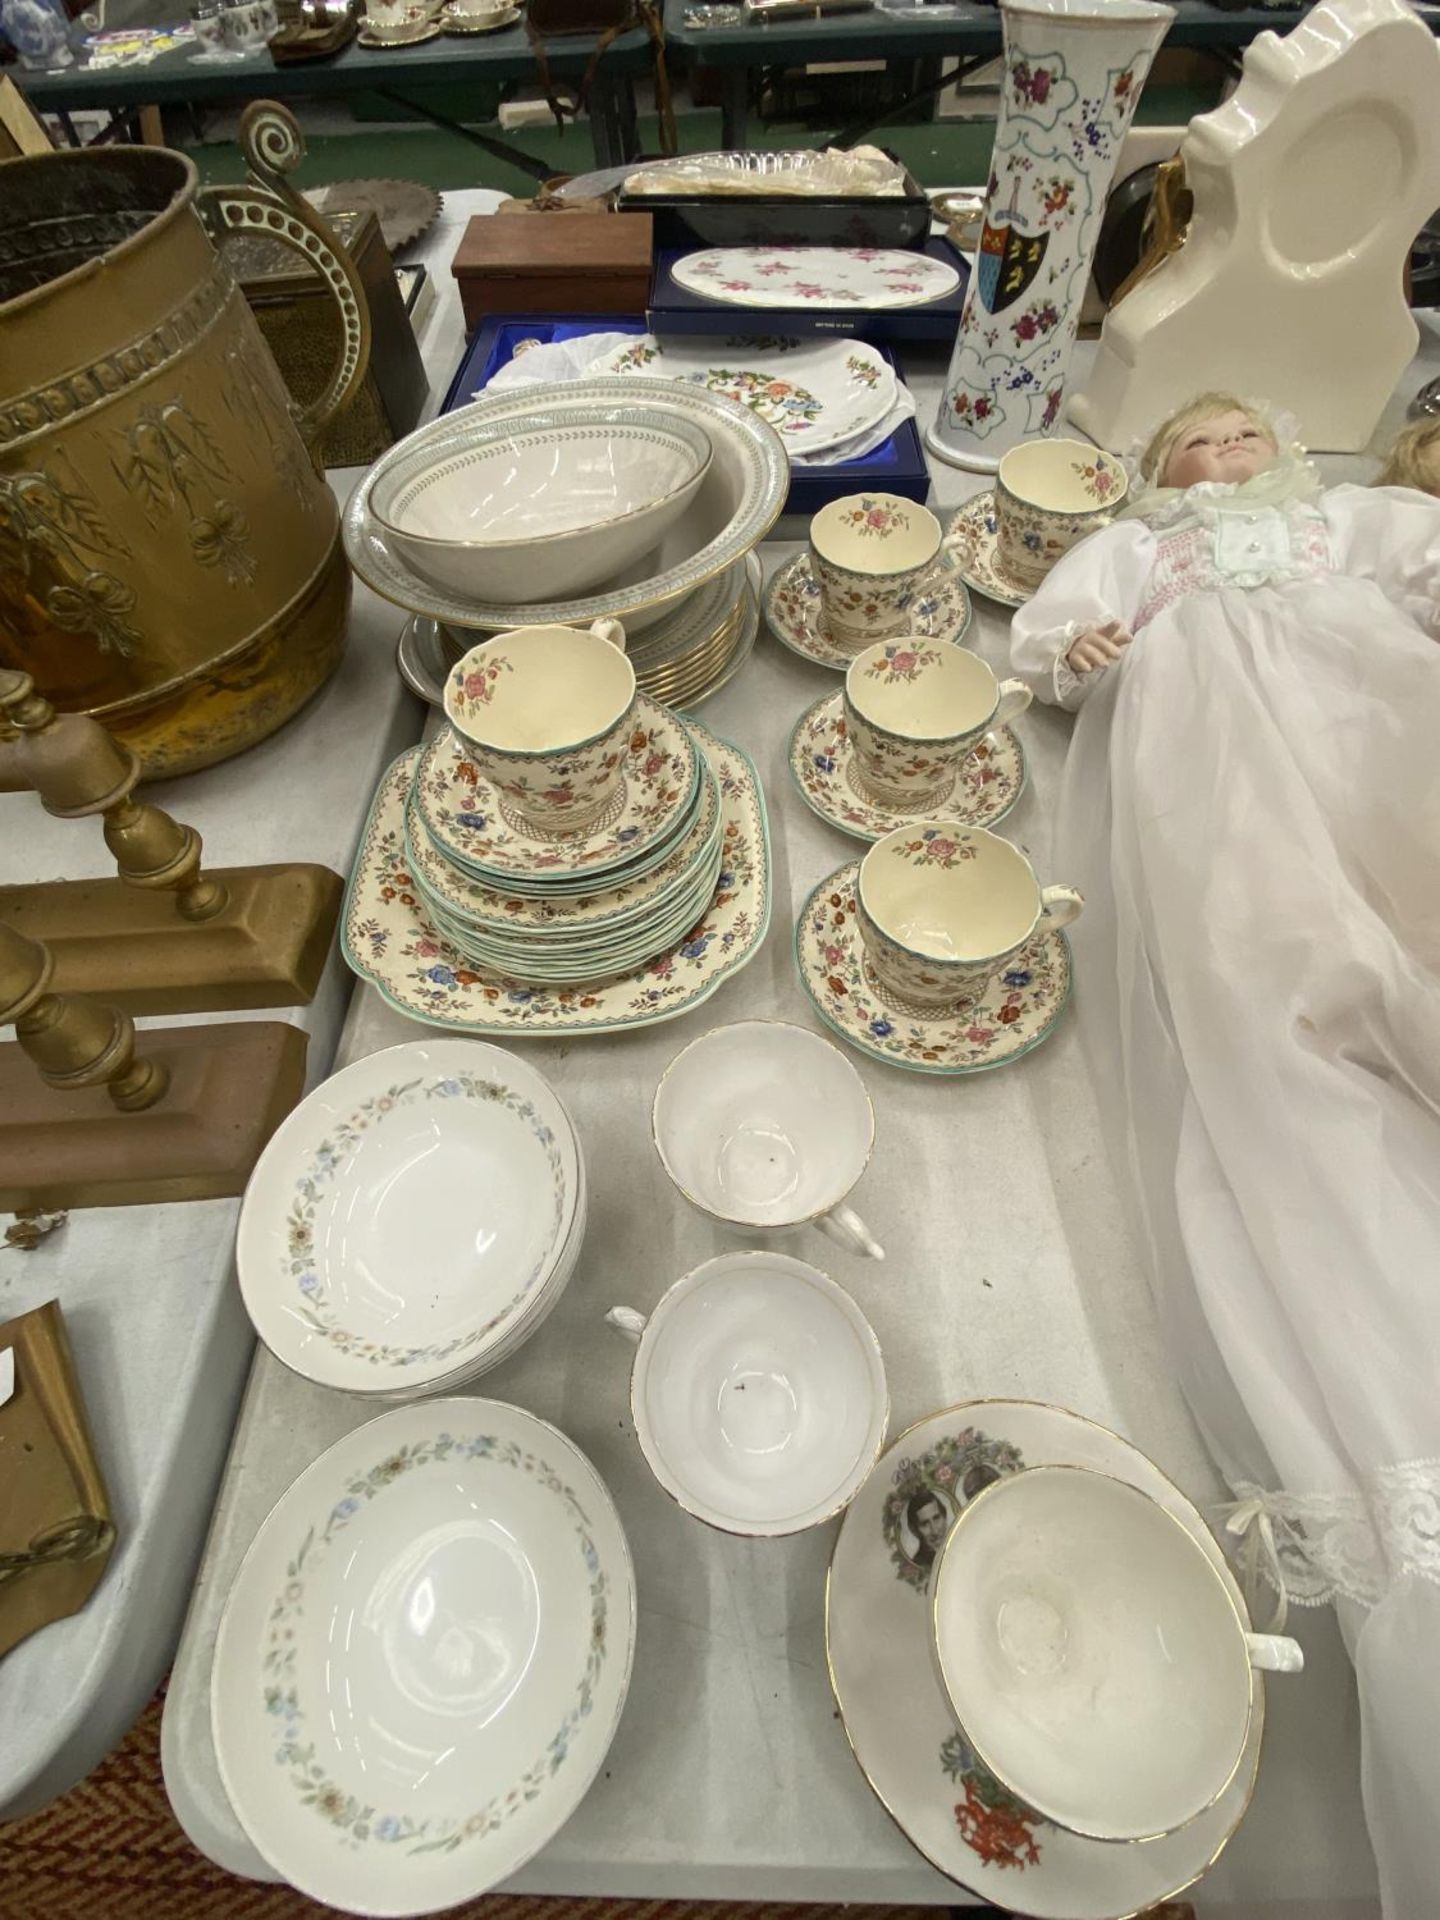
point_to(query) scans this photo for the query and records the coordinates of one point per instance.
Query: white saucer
(795, 615)
(822, 766)
(1016, 1012)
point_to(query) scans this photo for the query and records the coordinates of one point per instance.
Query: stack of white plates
(413, 1221)
(572, 909)
(424, 1657)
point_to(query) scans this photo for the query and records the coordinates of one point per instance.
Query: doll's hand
(1099, 647)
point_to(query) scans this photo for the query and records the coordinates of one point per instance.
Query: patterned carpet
(112, 1850)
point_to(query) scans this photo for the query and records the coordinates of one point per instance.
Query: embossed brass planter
(170, 560)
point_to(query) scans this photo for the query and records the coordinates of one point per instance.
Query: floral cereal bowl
(424, 1657)
(570, 501)
(407, 1215)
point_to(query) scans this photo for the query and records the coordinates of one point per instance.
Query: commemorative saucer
(822, 765)
(1017, 1011)
(795, 614)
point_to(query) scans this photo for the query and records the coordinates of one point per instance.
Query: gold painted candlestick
(241, 937)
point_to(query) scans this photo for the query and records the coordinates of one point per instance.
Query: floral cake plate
(462, 814)
(815, 393)
(875, 279)
(822, 766)
(388, 1746)
(795, 613)
(897, 1719)
(1018, 1010)
(387, 940)
(971, 539)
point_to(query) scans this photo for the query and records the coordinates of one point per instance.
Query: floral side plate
(1019, 1008)
(815, 393)
(822, 765)
(388, 941)
(896, 1718)
(461, 810)
(972, 540)
(795, 613)
(388, 1745)
(872, 278)
(582, 913)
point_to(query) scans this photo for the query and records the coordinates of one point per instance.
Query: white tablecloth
(1011, 1272)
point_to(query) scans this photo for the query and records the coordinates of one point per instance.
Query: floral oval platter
(388, 940)
(430, 1187)
(815, 393)
(877, 1642)
(872, 278)
(424, 1657)
(1018, 1009)
(822, 765)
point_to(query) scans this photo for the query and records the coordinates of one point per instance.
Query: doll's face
(1228, 447)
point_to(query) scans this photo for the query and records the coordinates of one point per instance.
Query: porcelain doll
(1415, 458)
(1251, 805)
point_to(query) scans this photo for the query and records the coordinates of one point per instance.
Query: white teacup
(942, 907)
(1048, 495)
(766, 1126)
(914, 709)
(758, 1393)
(870, 552)
(546, 714)
(1093, 1655)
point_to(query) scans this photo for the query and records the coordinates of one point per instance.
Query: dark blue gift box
(897, 465)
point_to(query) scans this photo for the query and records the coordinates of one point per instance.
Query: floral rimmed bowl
(822, 765)
(424, 1656)
(1017, 1010)
(410, 1212)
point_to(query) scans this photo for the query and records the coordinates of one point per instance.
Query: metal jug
(170, 558)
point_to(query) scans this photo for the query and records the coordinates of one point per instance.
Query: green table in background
(396, 73)
(972, 34)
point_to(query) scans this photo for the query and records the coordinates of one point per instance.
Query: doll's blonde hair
(1415, 458)
(1205, 406)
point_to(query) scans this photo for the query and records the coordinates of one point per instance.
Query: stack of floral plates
(424, 1657)
(459, 914)
(413, 1221)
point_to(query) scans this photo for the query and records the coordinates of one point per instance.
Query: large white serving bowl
(424, 1657)
(758, 1393)
(741, 495)
(571, 498)
(407, 1216)
(1093, 1657)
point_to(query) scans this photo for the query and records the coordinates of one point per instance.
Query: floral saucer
(460, 811)
(794, 614)
(1019, 1009)
(388, 941)
(896, 1716)
(971, 541)
(823, 768)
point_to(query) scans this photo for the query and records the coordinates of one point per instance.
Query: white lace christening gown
(1252, 807)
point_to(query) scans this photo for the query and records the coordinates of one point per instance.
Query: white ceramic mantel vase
(1073, 73)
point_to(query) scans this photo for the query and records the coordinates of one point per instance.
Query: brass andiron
(195, 1106)
(74, 1041)
(164, 937)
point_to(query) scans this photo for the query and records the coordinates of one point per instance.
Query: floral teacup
(914, 708)
(1048, 495)
(870, 552)
(942, 907)
(546, 714)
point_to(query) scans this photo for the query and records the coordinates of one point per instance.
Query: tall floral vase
(1073, 74)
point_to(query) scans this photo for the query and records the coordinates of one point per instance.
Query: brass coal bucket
(170, 559)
